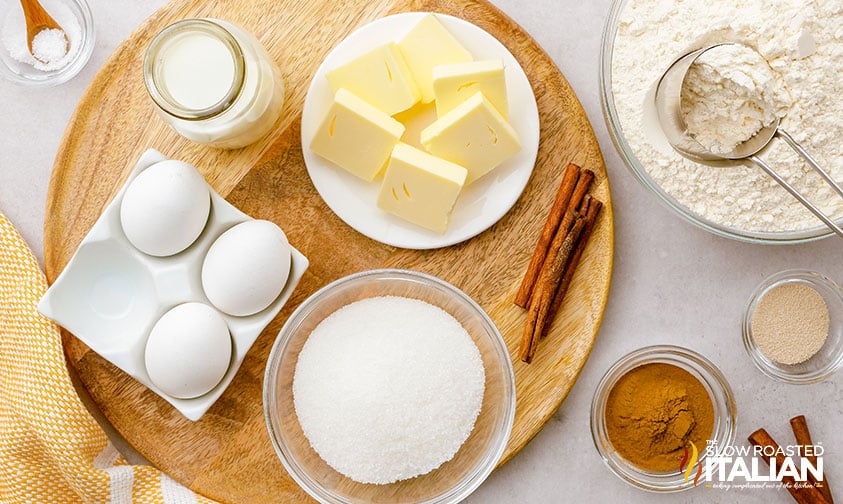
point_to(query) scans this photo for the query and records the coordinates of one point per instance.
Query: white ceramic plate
(111, 294)
(482, 203)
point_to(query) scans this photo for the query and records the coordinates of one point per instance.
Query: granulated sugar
(388, 388)
(790, 323)
(803, 43)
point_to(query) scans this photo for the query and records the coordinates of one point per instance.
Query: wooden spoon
(37, 20)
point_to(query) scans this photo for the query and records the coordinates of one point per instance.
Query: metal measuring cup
(667, 103)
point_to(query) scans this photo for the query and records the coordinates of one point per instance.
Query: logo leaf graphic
(684, 459)
(689, 469)
(699, 473)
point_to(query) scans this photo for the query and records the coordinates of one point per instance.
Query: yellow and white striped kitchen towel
(52, 451)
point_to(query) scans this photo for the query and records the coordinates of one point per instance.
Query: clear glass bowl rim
(610, 115)
(484, 467)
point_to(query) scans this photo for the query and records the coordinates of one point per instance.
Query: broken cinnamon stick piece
(586, 202)
(802, 494)
(583, 183)
(554, 218)
(548, 282)
(803, 438)
(528, 342)
(590, 208)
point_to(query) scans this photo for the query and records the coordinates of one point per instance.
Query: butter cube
(473, 135)
(415, 120)
(421, 188)
(454, 83)
(356, 136)
(427, 45)
(380, 77)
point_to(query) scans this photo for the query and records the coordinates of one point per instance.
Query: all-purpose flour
(803, 43)
(729, 95)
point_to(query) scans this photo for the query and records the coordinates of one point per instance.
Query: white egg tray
(110, 294)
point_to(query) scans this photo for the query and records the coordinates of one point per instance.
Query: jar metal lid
(153, 63)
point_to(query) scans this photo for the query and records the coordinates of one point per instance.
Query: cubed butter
(421, 188)
(415, 120)
(427, 45)
(473, 135)
(356, 136)
(380, 77)
(454, 83)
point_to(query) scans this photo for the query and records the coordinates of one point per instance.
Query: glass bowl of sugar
(793, 326)
(56, 57)
(389, 386)
(641, 38)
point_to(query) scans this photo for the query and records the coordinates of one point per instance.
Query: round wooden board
(227, 454)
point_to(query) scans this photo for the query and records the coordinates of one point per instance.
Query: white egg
(165, 208)
(188, 350)
(246, 268)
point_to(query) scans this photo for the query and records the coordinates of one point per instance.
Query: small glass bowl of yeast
(825, 357)
(723, 430)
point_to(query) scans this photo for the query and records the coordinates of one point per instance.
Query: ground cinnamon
(654, 412)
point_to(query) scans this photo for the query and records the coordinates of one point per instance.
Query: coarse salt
(49, 46)
(13, 33)
(388, 388)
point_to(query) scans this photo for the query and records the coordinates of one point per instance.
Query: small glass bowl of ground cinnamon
(793, 326)
(656, 415)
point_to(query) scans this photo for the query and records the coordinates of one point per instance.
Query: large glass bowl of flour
(452, 481)
(640, 40)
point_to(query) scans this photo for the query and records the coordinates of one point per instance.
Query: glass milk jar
(213, 82)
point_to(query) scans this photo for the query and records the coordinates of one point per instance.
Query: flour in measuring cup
(803, 44)
(729, 95)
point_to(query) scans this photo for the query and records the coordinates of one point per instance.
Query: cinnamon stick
(528, 346)
(528, 342)
(554, 218)
(803, 494)
(590, 208)
(548, 282)
(586, 176)
(803, 438)
(583, 183)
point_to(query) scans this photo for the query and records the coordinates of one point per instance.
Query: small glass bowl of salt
(52, 60)
(793, 326)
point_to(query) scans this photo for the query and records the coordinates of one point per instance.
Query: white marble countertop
(673, 283)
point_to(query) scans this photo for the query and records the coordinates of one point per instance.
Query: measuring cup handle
(796, 194)
(810, 160)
